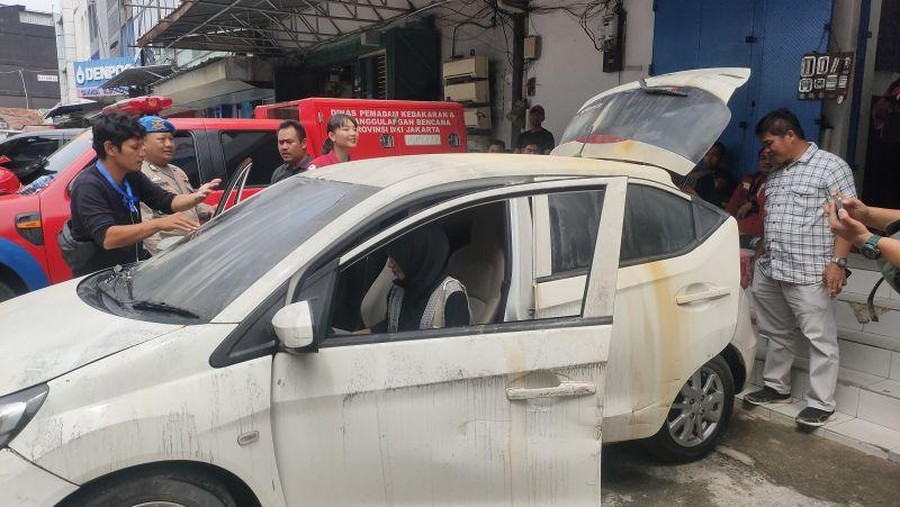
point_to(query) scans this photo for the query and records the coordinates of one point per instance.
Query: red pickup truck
(207, 148)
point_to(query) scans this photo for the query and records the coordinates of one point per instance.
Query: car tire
(698, 416)
(6, 292)
(177, 488)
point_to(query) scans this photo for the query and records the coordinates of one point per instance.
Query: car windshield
(207, 270)
(686, 122)
(56, 163)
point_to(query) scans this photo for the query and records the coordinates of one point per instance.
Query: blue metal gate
(768, 36)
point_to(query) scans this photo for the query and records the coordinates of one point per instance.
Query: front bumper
(23, 484)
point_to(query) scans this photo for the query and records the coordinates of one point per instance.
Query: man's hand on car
(207, 188)
(177, 222)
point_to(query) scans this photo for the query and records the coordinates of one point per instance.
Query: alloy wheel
(697, 411)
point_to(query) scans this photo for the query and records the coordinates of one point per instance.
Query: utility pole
(518, 71)
(25, 89)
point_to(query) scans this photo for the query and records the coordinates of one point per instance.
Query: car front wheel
(698, 416)
(178, 488)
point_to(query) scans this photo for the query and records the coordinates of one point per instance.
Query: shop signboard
(825, 76)
(91, 74)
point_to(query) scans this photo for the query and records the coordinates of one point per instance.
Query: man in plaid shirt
(803, 266)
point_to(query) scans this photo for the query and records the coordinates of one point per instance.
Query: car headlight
(17, 409)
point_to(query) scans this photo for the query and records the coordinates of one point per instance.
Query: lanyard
(128, 198)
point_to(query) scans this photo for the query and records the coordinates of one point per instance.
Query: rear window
(680, 124)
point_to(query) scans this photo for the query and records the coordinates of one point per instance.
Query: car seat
(481, 265)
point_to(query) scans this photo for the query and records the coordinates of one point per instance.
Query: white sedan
(601, 297)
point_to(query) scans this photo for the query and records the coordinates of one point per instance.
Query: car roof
(425, 171)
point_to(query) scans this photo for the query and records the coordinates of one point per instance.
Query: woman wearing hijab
(423, 296)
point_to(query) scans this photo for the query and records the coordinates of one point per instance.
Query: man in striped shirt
(803, 266)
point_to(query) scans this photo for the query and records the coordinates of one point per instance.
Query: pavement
(758, 462)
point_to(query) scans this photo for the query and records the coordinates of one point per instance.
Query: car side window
(574, 221)
(657, 224)
(186, 157)
(261, 147)
(489, 257)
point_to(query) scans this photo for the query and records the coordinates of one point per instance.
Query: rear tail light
(30, 227)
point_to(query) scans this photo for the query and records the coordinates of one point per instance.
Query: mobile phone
(838, 203)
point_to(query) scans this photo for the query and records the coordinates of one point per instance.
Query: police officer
(159, 147)
(106, 196)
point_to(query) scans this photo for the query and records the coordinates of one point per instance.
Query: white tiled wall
(872, 360)
(862, 281)
(879, 409)
(887, 325)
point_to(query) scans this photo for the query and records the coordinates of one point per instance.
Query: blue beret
(155, 124)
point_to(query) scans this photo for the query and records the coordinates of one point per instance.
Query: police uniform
(171, 179)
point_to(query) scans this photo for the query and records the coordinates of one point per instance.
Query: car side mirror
(294, 325)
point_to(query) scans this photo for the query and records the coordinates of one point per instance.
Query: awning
(139, 76)
(275, 27)
(223, 80)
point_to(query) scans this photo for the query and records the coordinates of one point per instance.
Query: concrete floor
(757, 463)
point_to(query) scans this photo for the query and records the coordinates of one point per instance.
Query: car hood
(51, 332)
(668, 121)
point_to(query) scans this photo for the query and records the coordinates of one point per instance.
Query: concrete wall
(569, 70)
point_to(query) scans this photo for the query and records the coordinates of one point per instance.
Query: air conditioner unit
(475, 67)
(473, 91)
(478, 117)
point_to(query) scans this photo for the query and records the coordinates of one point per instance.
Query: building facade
(28, 59)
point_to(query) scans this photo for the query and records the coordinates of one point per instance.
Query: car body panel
(657, 343)
(155, 402)
(75, 335)
(25, 485)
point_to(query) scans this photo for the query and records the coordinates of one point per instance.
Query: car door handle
(684, 298)
(563, 390)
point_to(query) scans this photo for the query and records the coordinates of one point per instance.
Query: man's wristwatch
(840, 261)
(870, 247)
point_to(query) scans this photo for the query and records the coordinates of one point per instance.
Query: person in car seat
(342, 138)
(423, 296)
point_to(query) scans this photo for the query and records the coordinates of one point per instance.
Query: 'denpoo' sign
(91, 74)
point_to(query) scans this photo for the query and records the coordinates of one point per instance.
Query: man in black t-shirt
(106, 196)
(536, 134)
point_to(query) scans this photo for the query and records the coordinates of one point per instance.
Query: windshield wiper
(661, 90)
(162, 307)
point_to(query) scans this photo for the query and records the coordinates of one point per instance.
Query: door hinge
(750, 39)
